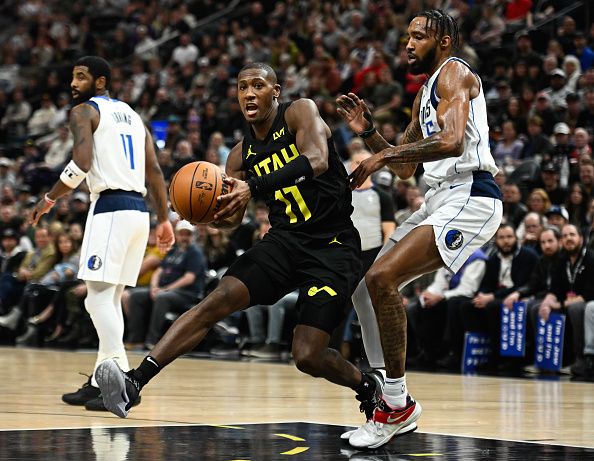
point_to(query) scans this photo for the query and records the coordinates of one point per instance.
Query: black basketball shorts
(326, 270)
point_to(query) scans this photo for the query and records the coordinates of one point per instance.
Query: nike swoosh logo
(455, 185)
(401, 417)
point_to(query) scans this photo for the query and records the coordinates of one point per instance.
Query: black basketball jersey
(321, 205)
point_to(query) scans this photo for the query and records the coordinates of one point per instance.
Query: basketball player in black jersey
(287, 158)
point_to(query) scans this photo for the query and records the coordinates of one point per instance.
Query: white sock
(108, 321)
(395, 392)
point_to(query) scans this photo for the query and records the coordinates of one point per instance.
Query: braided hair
(442, 24)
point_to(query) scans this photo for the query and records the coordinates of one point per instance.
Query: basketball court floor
(202, 409)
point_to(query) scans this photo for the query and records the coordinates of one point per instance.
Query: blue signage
(549, 342)
(513, 330)
(477, 350)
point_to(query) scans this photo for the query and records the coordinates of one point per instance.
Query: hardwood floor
(192, 391)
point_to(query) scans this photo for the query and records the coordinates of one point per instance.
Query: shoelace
(132, 381)
(367, 405)
(88, 383)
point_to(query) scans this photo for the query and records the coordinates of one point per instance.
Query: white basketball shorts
(114, 241)
(465, 214)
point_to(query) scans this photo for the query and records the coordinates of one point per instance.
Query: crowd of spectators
(178, 68)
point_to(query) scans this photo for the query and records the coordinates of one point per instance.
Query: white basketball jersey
(477, 154)
(118, 149)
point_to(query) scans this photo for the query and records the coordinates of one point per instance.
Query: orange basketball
(194, 190)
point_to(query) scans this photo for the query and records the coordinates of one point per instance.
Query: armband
(297, 171)
(72, 175)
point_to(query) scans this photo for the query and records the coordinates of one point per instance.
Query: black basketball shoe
(119, 390)
(97, 404)
(83, 395)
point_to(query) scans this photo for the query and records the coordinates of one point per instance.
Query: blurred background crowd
(175, 62)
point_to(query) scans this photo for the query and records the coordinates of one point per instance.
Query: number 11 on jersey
(294, 191)
(128, 149)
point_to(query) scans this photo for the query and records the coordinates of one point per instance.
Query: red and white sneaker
(387, 423)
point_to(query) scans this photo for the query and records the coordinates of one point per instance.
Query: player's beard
(84, 96)
(423, 65)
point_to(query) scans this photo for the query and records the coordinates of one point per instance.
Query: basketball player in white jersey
(462, 210)
(114, 152)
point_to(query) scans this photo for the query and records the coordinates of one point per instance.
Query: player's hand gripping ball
(194, 190)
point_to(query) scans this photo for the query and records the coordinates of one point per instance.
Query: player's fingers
(343, 113)
(355, 99)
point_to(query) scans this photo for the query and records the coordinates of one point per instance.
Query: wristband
(369, 131)
(49, 200)
(297, 171)
(72, 175)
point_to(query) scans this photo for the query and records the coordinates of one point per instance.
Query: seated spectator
(59, 149)
(577, 205)
(41, 122)
(540, 282)
(176, 285)
(11, 257)
(557, 216)
(587, 177)
(532, 226)
(412, 193)
(508, 269)
(508, 151)
(429, 313)
(550, 177)
(36, 302)
(538, 201)
(218, 249)
(34, 266)
(580, 139)
(513, 208)
(572, 288)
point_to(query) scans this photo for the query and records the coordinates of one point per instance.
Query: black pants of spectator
(455, 326)
(11, 291)
(147, 316)
(464, 317)
(35, 298)
(427, 328)
(575, 312)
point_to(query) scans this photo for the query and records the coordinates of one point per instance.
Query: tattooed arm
(356, 113)
(456, 86)
(83, 121)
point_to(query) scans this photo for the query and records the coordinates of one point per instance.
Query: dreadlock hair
(270, 73)
(442, 24)
(98, 67)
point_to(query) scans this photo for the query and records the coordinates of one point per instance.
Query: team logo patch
(454, 239)
(94, 262)
(315, 290)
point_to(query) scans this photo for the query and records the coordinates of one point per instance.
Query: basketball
(194, 190)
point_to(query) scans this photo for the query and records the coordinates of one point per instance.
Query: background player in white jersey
(462, 208)
(115, 153)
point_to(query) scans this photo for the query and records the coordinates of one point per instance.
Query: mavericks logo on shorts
(94, 263)
(454, 239)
